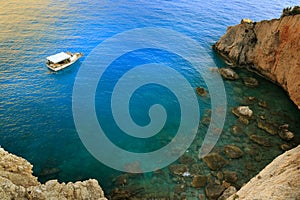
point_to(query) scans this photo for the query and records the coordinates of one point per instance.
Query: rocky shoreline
(270, 48)
(17, 182)
(249, 45)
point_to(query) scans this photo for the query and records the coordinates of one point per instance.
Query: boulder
(230, 176)
(267, 126)
(227, 193)
(178, 169)
(214, 161)
(199, 181)
(214, 191)
(233, 151)
(201, 91)
(260, 140)
(250, 82)
(286, 135)
(228, 74)
(243, 111)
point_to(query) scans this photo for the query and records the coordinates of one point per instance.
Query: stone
(186, 159)
(250, 82)
(230, 176)
(242, 111)
(199, 181)
(286, 135)
(214, 161)
(263, 104)
(201, 91)
(178, 169)
(236, 130)
(244, 120)
(233, 151)
(245, 111)
(214, 191)
(220, 175)
(286, 147)
(227, 193)
(268, 127)
(260, 140)
(228, 74)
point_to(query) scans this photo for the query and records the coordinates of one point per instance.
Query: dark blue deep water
(36, 120)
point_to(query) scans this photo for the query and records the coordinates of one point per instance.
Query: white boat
(62, 60)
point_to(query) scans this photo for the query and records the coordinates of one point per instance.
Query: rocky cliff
(17, 182)
(279, 180)
(270, 48)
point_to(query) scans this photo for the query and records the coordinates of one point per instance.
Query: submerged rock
(233, 151)
(260, 140)
(268, 127)
(228, 74)
(214, 161)
(243, 111)
(263, 104)
(201, 91)
(227, 193)
(230, 176)
(286, 147)
(286, 135)
(178, 169)
(199, 181)
(213, 191)
(250, 82)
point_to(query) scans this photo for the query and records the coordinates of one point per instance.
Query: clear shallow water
(36, 119)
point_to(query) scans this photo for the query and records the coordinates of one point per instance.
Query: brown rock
(201, 91)
(286, 135)
(214, 161)
(270, 47)
(230, 177)
(178, 169)
(233, 151)
(260, 140)
(268, 127)
(199, 181)
(227, 193)
(213, 191)
(228, 74)
(286, 147)
(250, 82)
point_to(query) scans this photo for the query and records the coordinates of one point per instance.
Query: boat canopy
(58, 57)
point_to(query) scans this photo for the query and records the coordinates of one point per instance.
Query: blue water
(36, 119)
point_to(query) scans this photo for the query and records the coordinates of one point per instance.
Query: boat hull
(73, 59)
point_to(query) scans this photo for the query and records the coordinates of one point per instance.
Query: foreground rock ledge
(270, 48)
(17, 182)
(277, 181)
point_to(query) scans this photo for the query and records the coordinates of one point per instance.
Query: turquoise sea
(36, 120)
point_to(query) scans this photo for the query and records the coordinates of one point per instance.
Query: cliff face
(271, 48)
(17, 182)
(279, 180)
